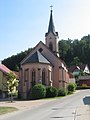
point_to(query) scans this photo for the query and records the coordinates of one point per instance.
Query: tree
(76, 61)
(13, 62)
(68, 50)
(12, 84)
(63, 46)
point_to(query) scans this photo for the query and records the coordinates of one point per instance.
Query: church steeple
(52, 36)
(51, 27)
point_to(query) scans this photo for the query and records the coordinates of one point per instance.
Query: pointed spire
(51, 27)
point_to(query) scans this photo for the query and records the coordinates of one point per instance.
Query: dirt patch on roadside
(24, 104)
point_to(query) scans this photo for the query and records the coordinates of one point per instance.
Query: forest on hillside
(73, 52)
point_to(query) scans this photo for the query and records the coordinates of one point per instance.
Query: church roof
(37, 57)
(28, 56)
(51, 27)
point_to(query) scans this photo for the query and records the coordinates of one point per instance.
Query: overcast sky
(23, 23)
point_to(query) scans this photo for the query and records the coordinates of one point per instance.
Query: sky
(23, 23)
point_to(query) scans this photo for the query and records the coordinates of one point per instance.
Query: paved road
(73, 107)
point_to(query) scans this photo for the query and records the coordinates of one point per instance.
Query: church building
(43, 64)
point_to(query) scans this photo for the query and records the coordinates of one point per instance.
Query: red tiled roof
(4, 69)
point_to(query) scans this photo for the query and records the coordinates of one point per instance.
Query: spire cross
(51, 7)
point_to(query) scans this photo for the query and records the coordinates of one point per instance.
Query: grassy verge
(4, 110)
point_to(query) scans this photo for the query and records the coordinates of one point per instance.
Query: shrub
(71, 87)
(51, 92)
(38, 91)
(62, 92)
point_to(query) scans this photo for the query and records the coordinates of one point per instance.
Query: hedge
(71, 87)
(62, 92)
(51, 92)
(38, 91)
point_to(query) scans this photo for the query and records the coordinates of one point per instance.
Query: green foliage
(13, 62)
(4, 110)
(38, 91)
(71, 87)
(65, 47)
(62, 92)
(12, 84)
(82, 73)
(51, 92)
(71, 51)
(76, 61)
(75, 51)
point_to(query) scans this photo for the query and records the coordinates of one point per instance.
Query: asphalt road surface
(60, 109)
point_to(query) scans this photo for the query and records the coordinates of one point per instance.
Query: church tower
(51, 37)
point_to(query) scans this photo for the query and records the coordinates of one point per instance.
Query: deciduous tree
(12, 84)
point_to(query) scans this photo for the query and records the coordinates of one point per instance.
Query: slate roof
(51, 27)
(82, 66)
(74, 67)
(23, 61)
(37, 57)
(4, 69)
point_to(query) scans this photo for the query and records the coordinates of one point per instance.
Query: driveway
(73, 107)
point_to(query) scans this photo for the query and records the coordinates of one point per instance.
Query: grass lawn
(4, 110)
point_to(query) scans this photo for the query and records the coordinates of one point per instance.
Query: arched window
(51, 46)
(44, 77)
(33, 77)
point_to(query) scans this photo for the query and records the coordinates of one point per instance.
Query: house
(83, 73)
(84, 80)
(3, 80)
(43, 64)
(75, 70)
(3, 74)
